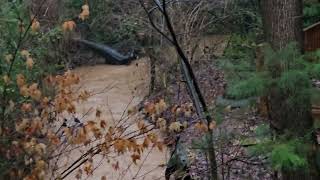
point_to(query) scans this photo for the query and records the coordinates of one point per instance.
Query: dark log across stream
(111, 55)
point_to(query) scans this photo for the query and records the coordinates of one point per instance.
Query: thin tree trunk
(192, 84)
(150, 52)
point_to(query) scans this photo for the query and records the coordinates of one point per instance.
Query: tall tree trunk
(282, 20)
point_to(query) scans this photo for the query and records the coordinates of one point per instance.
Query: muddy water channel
(117, 89)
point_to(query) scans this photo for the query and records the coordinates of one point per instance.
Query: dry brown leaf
(26, 107)
(35, 25)
(8, 58)
(175, 127)
(21, 80)
(68, 26)
(98, 113)
(6, 79)
(25, 53)
(135, 157)
(213, 125)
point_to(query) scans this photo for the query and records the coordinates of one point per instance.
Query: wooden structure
(312, 37)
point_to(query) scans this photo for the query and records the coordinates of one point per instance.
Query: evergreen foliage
(294, 71)
(287, 72)
(282, 154)
(253, 86)
(311, 13)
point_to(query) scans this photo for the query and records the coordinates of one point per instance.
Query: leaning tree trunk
(282, 20)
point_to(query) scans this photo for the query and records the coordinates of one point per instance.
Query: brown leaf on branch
(135, 157)
(68, 26)
(21, 80)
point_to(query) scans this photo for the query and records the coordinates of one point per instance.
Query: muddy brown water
(130, 84)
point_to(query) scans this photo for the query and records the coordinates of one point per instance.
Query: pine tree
(288, 98)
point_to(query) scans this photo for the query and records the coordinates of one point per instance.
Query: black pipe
(111, 56)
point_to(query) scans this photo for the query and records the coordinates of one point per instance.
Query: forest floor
(235, 127)
(235, 131)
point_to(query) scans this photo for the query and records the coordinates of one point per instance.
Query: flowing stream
(123, 85)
